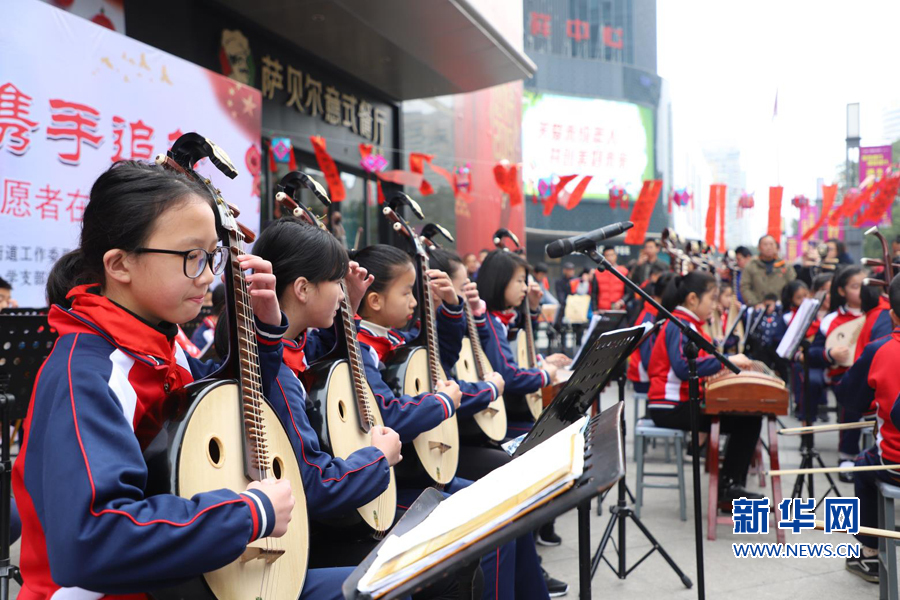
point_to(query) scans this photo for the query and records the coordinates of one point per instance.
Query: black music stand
(692, 346)
(604, 465)
(27, 339)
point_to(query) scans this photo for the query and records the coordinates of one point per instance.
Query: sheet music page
(806, 314)
(554, 463)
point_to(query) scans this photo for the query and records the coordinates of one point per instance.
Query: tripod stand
(808, 453)
(619, 515)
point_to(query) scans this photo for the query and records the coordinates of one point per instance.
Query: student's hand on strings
(497, 380)
(358, 281)
(470, 293)
(451, 389)
(278, 491)
(551, 371)
(839, 354)
(388, 441)
(559, 360)
(535, 293)
(441, 287)
(740, 361)
(261, 286)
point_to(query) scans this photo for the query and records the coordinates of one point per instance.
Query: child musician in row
(845, 306)
(691, 298)
(386, 308)
(875, 379)
(147, 255)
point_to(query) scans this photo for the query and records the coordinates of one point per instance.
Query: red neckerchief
(505, 316)
(383, 346)
(95, 314)
(293, 354)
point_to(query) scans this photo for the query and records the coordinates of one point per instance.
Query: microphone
(589, 240)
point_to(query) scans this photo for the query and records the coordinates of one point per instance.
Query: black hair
(897, 240)
(840, 280)
(838, 245)
(659, 288)
(787, 293)
(496, 272)
(444, 260)
(682, 286)
(770, 297)
(4, 284)
(297, 249)
(541, 268)
(820, 281)
(383, 263)
(894, 294)
(218, 299)
(658, 268)
(124, 204)
(869, 295)
(653, 240)
(743, 251)
(608, 248)
(725, 285)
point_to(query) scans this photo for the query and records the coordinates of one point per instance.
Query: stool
(645, 431)
(887, 548)
(640, 400)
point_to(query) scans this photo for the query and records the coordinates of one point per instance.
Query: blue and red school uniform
(819, 356)
(668, 401)
(80, 478)
(639, 361)
(875, 379)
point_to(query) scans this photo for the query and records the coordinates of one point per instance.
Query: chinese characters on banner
(309, 96)
(611, 141)
(576, 29)
(873, 161)
(63, 123)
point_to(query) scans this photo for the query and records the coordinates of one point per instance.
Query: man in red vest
(607, 291)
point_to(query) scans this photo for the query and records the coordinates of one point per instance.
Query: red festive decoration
(329, 169)
(800, 201)
(574, 198)
(551, 200)
(745, 202)
(716, 190)
(507, 178)
(828, 194)
(618, 196)
(882, 196)
(643, 210)
(417, 162)
(775, 212)
(102, 20)
(253, 160)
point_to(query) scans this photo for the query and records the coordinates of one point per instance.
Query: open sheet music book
(796, 331)
(474, 512)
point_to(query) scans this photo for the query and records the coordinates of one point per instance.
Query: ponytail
(384, 263)
(682, 286)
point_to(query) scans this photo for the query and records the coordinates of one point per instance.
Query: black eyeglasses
(196, 259)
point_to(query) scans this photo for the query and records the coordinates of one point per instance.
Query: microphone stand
(691, 352)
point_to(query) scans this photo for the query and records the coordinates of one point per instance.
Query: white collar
(375, 329)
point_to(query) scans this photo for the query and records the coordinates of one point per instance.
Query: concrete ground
(727, 577)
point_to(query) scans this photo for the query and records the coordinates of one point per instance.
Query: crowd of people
(117, 302)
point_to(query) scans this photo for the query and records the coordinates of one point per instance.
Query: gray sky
(725, 60)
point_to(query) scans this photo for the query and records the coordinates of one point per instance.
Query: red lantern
(745, 202)
(800, 201)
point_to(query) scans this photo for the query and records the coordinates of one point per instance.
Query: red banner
(417, 162)
(775, 212)
(829, 192)
(329, 169)
(642, 211)
(721, 210)
(716, 190)
(575, 197)
(550, 202)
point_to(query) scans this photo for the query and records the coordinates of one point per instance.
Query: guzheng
(754, 390)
